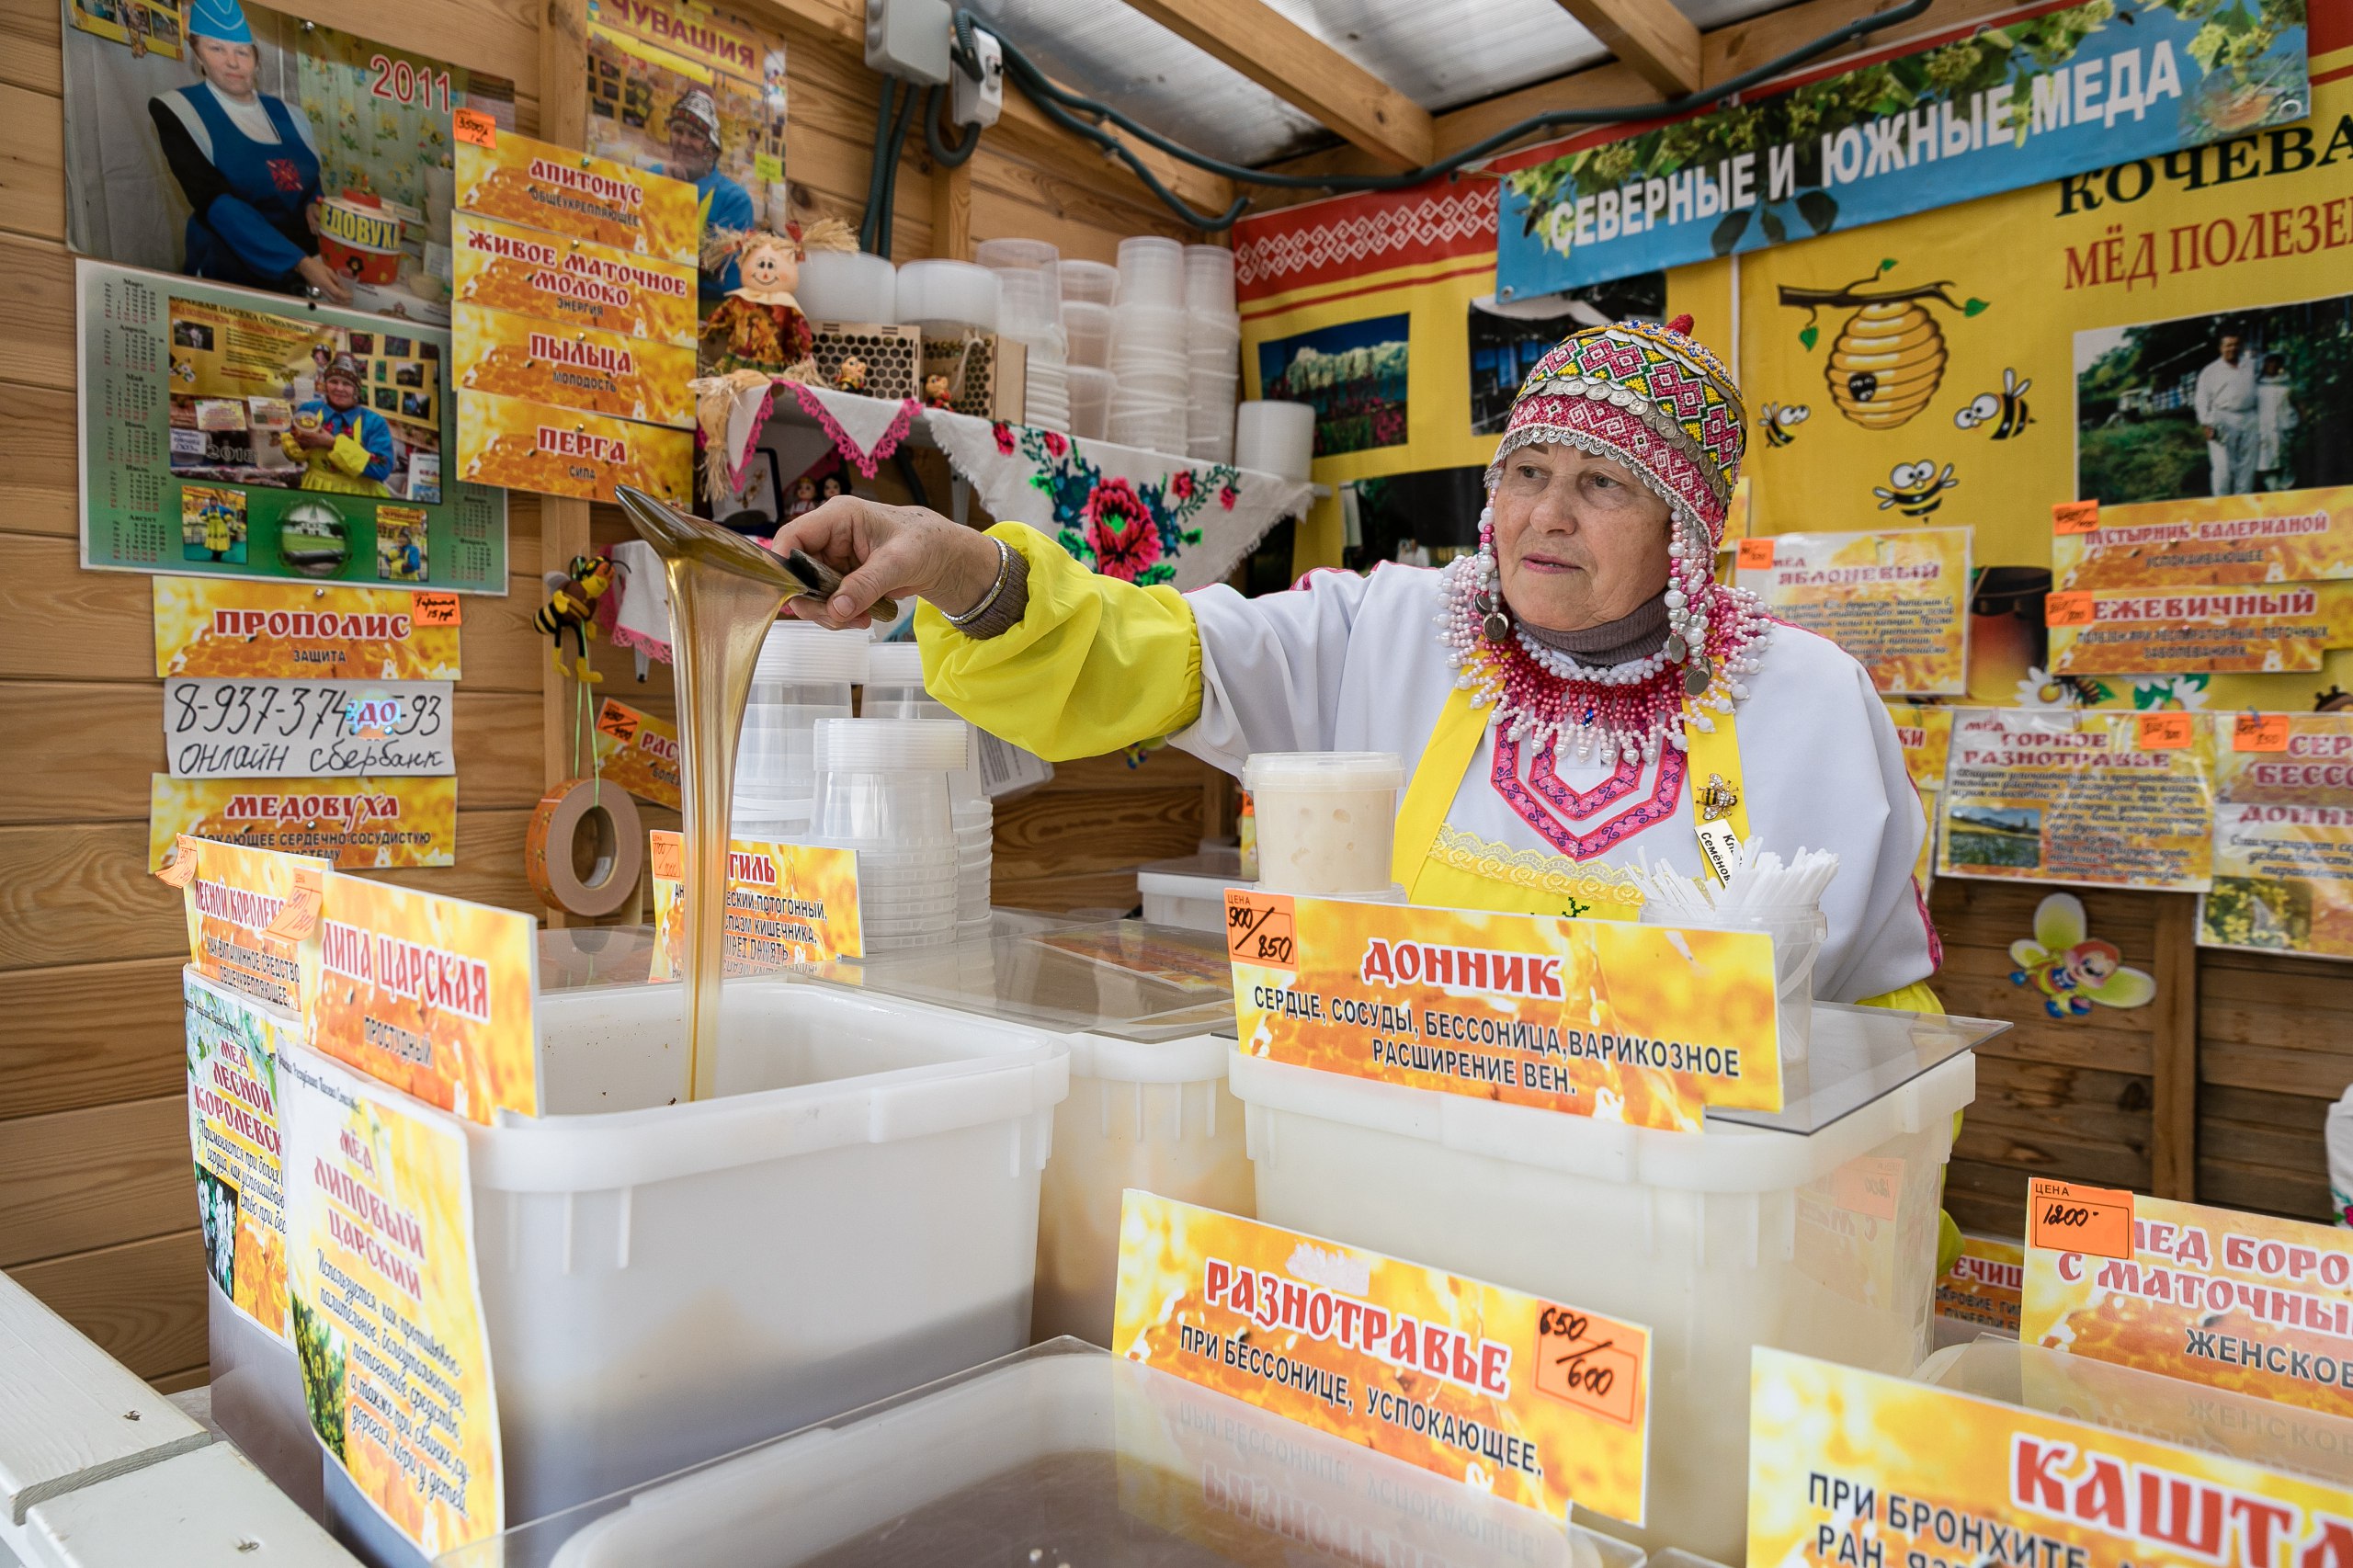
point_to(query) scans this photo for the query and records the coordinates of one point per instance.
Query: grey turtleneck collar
(1631, 637)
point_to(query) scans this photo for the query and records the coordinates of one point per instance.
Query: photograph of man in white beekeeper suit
(2226, 403)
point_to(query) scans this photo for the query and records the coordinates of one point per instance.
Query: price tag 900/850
(1259, 929)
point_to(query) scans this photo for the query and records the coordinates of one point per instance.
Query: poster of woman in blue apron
(247, 163)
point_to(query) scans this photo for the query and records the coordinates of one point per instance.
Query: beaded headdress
(1651, 397)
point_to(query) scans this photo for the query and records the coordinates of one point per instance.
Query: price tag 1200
(307, 729)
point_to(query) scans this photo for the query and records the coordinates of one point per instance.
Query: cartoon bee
(2072, 969)
(571, 603)
(1780, 421)
(1919, 488)
(2006, 406)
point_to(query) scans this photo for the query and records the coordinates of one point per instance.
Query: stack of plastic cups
(1029, 310)
(894, 690)
(882, 790)
(1087, 289)
(803, 675)
(1325, 820)
(1212, 348)
(944, 297)
(1148, 346)
(849, 285)
(1275, 437)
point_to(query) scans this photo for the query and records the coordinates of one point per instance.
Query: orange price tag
(1755, 555)
(180, 869)
(2163, 731)
(2260, 732)
(1591, 1362)
(474, 128)
(2064, 1217)
(433, 609)
(2067, 609)
(1869, 1186)
(1260, 930)
(2075, 518)
(616, 721)
(300, 914)
(667, 853)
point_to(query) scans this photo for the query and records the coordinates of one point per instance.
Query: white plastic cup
(948, 293)
(802, 678)
(849, 285)
(1024, 255)
(1087, 329)
(1275, 437)
(1209, 277)
(1798, 933)
(1089, 282)
(1090, 401)
(1325, 819)
(1151, 271)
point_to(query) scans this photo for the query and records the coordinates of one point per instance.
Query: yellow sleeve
(1094, 665)
(286, 444)
(348, 455)
(1913, 998)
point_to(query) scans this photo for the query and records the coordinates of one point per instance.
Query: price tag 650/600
(1259, 929)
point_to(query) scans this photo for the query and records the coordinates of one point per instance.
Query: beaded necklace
(1715, 639)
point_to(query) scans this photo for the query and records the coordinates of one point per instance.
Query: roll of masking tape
(604, 813)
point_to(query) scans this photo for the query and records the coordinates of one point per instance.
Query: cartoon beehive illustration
(1889, 357)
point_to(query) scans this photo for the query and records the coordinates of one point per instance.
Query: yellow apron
(1454, 870)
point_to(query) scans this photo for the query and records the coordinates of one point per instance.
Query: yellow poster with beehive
(520, 445)
(1897, 601)
(385, 1303)
(432, 996)
(237, 629)
(571, 283)
(1640, 1024)
(1538, 1403)
(1855, 1468)
(502, 175)
(574, 366)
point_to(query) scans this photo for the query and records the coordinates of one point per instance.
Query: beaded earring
(1690, 572)
(1494, 621)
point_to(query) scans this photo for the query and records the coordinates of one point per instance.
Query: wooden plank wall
(96, 1214)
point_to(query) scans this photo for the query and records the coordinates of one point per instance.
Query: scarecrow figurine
(759, 325)
(936, 393)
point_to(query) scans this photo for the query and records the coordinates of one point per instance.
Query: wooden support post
(951, 211)
(2173, 1134)
(563, 521)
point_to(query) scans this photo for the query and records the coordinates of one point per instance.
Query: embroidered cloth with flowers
(1578, 693)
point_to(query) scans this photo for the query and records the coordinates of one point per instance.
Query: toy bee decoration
(1780, 421)
(2069, 969)
(2006, 409)
(572, 605)
(1919, 488)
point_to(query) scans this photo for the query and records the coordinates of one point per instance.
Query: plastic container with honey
(1325, 819)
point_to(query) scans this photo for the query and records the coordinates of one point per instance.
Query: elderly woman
(1580, 692)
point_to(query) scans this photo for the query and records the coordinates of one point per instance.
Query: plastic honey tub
(855, 1213)
(1065, 1454)
(1137, 1007)
(1190, 892)
(1812, 1230)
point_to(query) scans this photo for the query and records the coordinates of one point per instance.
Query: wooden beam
(2173, 1088)
(1659, 41)
(563, 73)
(951, 212)
(1302, 70)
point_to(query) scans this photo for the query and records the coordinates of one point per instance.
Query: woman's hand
(324, 278)
(895, 551)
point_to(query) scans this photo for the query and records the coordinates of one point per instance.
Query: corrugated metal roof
(1440, 53)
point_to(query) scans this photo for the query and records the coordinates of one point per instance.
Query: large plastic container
(1063, 1456)
(855, 1213)
(1147, 1016)
(1326, 820)
(2149, 1404)
(1763, 1230)
(1189, 891)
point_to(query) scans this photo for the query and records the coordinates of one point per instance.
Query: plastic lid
(1322, 770)
(799, 653)
(889, 745)
(893, 663)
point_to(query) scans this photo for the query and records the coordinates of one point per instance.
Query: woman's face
(228, 66)
(1580, 541)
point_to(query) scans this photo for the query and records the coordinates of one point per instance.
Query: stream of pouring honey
(725, 592)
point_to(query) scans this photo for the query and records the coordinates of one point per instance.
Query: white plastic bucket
(1718, 1241)
(854, 1214)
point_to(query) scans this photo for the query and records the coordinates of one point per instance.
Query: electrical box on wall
(909, 39)
(980, 103)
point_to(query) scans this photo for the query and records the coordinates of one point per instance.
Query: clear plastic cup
(883, 782)
(1151, 271)
(1089, 282)
(1798, 933)
(803, 675)
(1325, 820)
(1275, 437)
(1087, 327)
(1209, 277)
(1026, 256)
(1090, 401)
